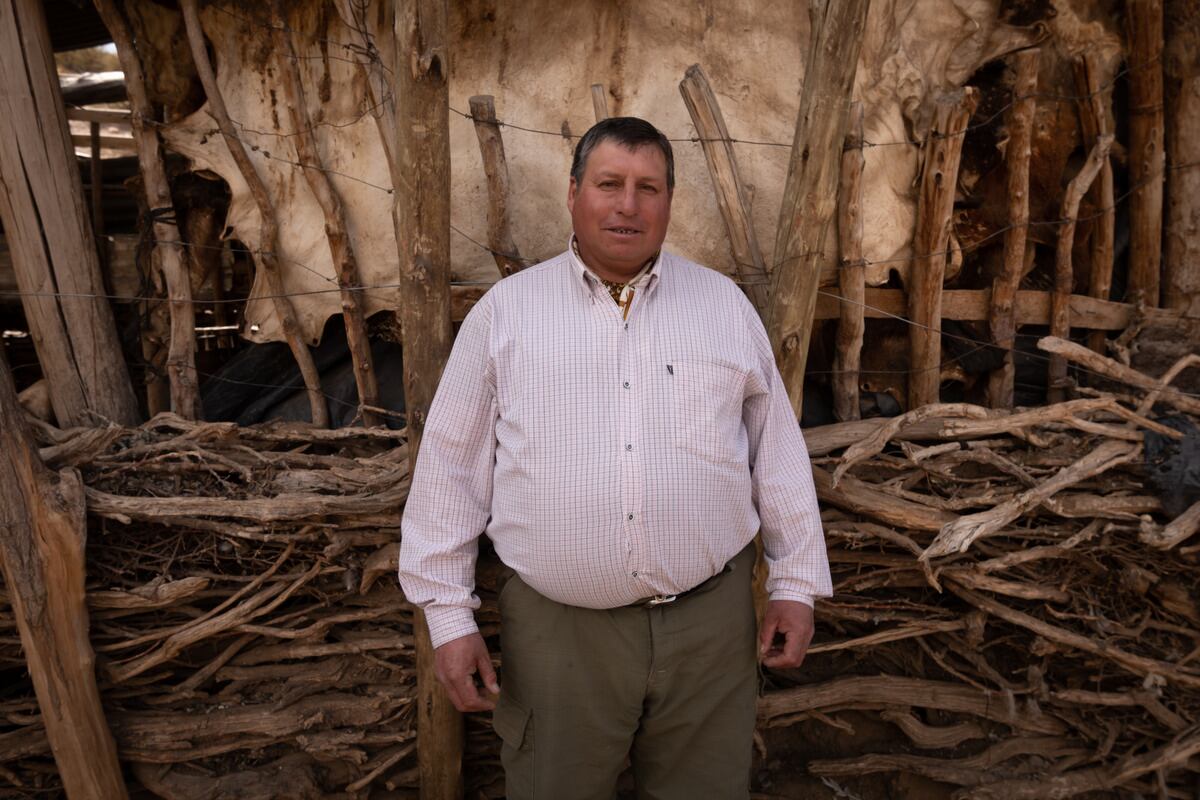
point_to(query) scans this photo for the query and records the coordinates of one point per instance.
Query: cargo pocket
(513, 723)
(707, 405)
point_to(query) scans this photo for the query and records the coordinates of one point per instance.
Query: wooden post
(42, 533)
(1060, 302)
(1017, 154)
(341, 250)
(269, 246)
(491, 148)
(852, 274)
(1094, 106)
(935, 206)
(810, 194)
(1144, 28)
(421, 215)
(168, 252)
(96, 171)
(706, 115)
(600, 101)
(46, 223)
(1181, 67)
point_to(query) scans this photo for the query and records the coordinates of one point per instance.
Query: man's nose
(627, 201)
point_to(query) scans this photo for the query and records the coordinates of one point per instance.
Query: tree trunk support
(337, 234)
(600, 101)
(42, 533)
(851, 275)
(1181, 68)
(1060, 303)
(46, 223)
(491, 148)
(935, 207)
(810, 195)
(269, 246)
(168, 252)
(1017, 154)
(421, 214)
(1144, 28)
(750, 267)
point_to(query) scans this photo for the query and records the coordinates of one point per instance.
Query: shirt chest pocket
(706, 409)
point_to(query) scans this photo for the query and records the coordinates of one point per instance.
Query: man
(614, 421)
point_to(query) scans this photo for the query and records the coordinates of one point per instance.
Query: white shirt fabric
(609, 460)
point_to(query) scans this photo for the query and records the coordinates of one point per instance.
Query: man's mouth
(623, 231)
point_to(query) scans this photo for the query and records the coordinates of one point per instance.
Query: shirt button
(626, 326)
(628, 447)
(626, 384)
(635, 573)
(631, 516)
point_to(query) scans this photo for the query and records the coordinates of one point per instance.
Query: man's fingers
(767, 636)
(487, 674)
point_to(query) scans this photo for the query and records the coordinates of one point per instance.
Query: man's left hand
(792, 622)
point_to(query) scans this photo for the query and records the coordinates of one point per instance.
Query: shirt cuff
(799, 597)
(447, 623)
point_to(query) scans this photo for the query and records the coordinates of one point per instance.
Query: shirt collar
(591, 280)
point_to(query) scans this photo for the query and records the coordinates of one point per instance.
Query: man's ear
(571, 187)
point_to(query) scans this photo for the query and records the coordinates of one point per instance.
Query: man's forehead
(607, 158)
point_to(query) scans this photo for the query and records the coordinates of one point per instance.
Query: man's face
(621, 208)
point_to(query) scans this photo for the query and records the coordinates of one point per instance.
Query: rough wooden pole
(1181, 68)
(1017, 154)
(46, 224)
(337, 233)
(851, 274)
(96, 175)
(751, 268)
(935, 207)
(421, 213)
(600, 102)
(810, 194)
(269, 245)
(168, 252)
(1094, 108)
(1060, 300)
(1144, 28)
(42, 533)
(491, 148)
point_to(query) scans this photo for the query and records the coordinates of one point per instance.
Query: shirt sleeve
(781, 481)
(451, 495)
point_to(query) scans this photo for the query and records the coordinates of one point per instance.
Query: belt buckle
(661, 600)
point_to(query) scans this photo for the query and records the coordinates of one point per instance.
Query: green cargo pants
(670, 687)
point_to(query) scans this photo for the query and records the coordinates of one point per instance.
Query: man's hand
(456, 664)
(792, 621)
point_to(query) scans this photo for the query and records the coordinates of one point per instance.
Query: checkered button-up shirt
(609, 459)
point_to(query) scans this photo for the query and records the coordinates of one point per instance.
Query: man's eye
(608, 184)
(649, 189)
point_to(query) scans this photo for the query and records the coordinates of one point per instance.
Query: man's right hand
(456, 663)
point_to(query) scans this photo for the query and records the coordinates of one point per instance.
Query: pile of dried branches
(1010, 599)
(1011, 603)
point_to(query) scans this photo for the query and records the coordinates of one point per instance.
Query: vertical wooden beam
(42, 534)
(1144, 29)
(167, 254)
(1064, 274)
(748, 261)
(97, 178)
(337, 233)
(1017, 155)
(269, 246)
(810, 194)
(1094, 107)
(935, 205)
(852, 274)
(46, 223)
(1181, 68)
(600, 102)
(491, 148)
(421, 214)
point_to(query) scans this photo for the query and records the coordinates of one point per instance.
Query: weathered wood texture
(1181, 68)
(267, 259)
(47, 228)
(935, 206)
(1017, 154)
(337, 233)
(1095, 104)
(851, 274)
(421, 214)
(495, 166)
(1144, 30)
(1064, 275)
(168, 255)
(1118, 372)
(42, 533)
(810, 194)
(600, 102)
(748, 262)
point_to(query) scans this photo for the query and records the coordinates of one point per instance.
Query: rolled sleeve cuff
(799, 597)
(447, 623)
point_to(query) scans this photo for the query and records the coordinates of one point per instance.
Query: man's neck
(617, 275)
